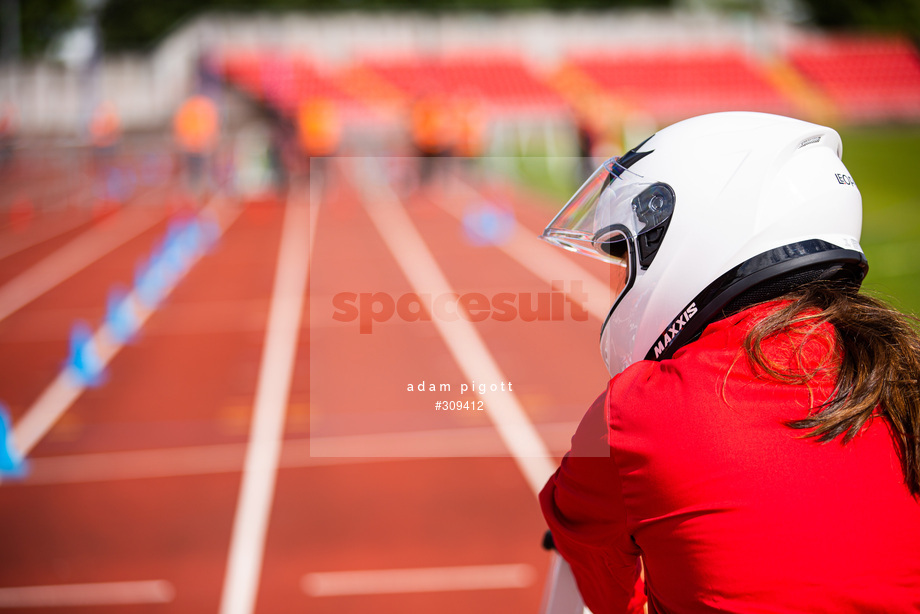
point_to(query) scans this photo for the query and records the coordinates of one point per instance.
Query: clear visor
(613, 206)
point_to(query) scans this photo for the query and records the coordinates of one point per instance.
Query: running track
(247, 451)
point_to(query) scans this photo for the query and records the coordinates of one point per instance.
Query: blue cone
(12, 464)
(84, 362)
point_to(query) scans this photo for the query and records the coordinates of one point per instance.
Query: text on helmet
(676, 326)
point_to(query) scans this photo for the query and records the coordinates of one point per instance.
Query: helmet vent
(809, 141)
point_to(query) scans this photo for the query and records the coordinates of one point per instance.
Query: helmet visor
(615, 205)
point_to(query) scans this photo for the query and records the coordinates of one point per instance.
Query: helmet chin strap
(764, 277)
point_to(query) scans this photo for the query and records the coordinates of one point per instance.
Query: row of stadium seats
(671, 84)
(858, 79)
(869, 79)
(281, 81)
(503, 81)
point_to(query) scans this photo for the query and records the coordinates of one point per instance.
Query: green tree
(130, 24)
(40, 22)
(133, 24)
(880, 15)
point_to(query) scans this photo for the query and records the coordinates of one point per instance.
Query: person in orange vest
(105, 127)
(104, 134)
(470, 128)
(470, 125)
(319, 131)
(196, 129)
(433, 134)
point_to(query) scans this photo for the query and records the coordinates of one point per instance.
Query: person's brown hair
(879, 366)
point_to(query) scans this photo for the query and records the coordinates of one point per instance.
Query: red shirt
(688, 463)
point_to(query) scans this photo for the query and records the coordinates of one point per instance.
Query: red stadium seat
(282, 81)
(868, 78)
(499, 81)
(673, 84)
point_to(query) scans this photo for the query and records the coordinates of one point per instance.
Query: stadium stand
(282, 81)
(502, 82)
(868, 78)
(817, 76)
(471, 91)
(673, 84)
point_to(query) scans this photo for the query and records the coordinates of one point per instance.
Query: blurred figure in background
(281, 157)
(470, 129)
(433, 134)
(105, 130)
(319, 132)
(599, 130)
(196, 126)
(105, 134)
(7, 135)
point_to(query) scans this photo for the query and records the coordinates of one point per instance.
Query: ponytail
(879, 367)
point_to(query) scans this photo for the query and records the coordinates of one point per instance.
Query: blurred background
(521, 78)
(180, 179)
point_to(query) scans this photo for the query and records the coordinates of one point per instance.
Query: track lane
(189, 383)
(167, 389)
(361, 269)
(35, 336)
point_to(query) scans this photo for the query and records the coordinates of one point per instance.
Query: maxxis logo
(676, 326)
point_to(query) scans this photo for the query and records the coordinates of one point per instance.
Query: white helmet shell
(756, 197)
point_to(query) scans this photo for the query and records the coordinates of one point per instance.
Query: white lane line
(549, 263)
(75, 256)
(462, 339)
(66, 388)
(480, 441)
(545, 261)
(97, 594)
(134, 464)
(244, 565)
(17, 243)
(422, 580)
(48, 229)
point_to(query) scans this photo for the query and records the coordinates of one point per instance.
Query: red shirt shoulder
(735, 511)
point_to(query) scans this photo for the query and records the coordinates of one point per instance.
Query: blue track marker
(185, 240)
(485, 223)
(150, 282)
(84, 362)
(12, 464)
(120, 315)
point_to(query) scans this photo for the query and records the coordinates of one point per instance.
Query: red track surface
(184, 391)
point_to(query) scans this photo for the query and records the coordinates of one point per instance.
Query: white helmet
(711, 215)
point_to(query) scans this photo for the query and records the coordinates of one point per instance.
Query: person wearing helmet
(758, 446)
